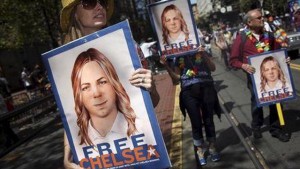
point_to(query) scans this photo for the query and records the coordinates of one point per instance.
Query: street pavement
(46, 149)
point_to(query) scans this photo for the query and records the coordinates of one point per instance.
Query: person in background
(297, 19)
(148, 51)
(6, 92)
(227, 35)
(83, 17)
(199, 98)
(257, 41)
(26, 79)
(6, 130)
(222, 44)
(38, 77)
(27, 82)
(207, 41)
(269, 22)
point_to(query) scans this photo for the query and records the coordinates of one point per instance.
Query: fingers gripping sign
(142, 78)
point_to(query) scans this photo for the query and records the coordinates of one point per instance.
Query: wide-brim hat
(67, 7)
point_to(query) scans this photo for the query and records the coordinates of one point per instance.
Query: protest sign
(109, 122)
(174, 25)
(272, 79)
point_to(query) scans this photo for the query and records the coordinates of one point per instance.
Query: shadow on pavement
(47, 146)
(228, 137)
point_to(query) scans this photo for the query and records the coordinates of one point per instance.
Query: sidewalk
(178, 135)
(46, 149)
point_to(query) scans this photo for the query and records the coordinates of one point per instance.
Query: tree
(27, 22)
(276, 7)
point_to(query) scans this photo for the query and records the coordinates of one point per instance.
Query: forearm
(211, 65)
(236, 55)
(154, 95)
(67, 152)
(235, 61)
(175, 77)
(68, 164)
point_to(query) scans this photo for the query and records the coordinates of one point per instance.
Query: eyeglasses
(259, 18)
(90, 4)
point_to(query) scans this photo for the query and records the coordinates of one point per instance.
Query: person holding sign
(198, 98)
(174, 27)
(83, 17)
(256, 41)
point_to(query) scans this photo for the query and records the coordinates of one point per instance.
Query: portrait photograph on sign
(173, 23)
(272, 78)
(109, 122)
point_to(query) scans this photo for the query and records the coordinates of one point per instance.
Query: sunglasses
(259, 18)
(90, 4)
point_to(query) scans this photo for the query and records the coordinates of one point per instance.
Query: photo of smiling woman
(101, 102)
(271, 75)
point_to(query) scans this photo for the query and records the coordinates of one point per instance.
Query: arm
(205, 56)
(154, 94)
(211, 65)
(175, 76)
(217, 43)
(236, 55)
(143, 78)
(68, 163)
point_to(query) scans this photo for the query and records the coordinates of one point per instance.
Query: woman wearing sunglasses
(82, 17)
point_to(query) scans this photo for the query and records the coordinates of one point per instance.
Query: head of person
(269, 17)
(82, 17)
(220, 36)
(295, 6)
(173, 22)
(254, 20)
(24, 69)
(223, 27)
(98, 92)
(270, 72)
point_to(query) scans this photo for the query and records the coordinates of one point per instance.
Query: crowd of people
(34, 81)
(31, 82)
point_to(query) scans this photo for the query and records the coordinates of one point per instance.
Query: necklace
(281, 37)
(261, 45)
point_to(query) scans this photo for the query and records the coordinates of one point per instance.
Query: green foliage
(276, 7)
(245, 5)
(24, 22)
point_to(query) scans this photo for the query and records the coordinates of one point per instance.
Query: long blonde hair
(123, 100)
(74, 32)
(165, 31)
(263, 80)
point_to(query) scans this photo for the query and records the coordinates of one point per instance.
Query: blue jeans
(257, 112)
(200, 111)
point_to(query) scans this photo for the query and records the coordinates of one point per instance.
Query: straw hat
(68, 5)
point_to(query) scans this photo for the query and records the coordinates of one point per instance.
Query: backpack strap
(272, 40)
(244, 38)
